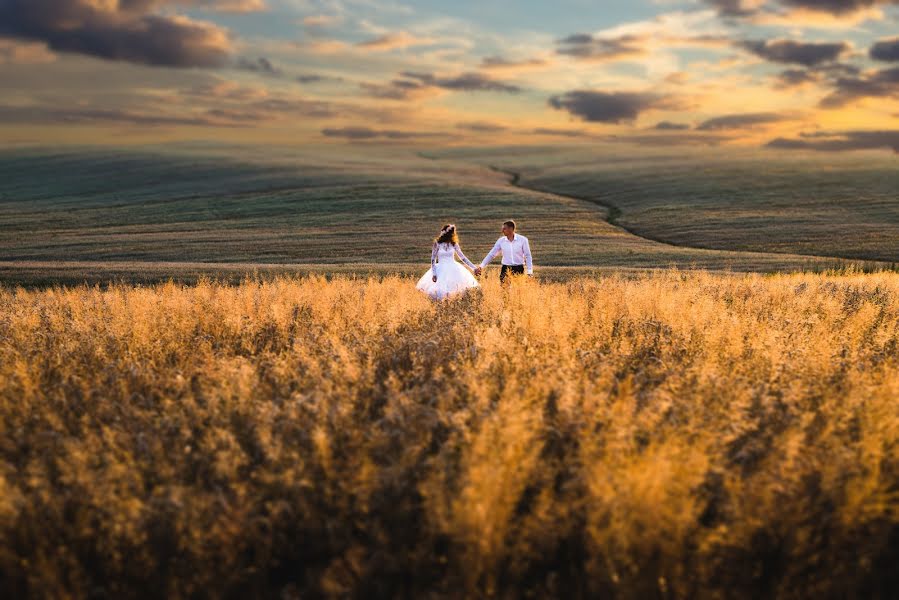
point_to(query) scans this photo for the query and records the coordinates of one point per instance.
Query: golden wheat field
(665, 435)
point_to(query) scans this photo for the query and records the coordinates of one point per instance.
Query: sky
(817, 75)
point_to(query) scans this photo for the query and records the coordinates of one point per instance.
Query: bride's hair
(447, 235)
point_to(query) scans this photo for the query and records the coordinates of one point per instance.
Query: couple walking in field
(447, 277)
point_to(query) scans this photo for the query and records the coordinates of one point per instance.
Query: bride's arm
(434, 261)
(458, 250)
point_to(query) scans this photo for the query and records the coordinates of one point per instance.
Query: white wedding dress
(452, 277)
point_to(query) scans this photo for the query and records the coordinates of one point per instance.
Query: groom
(516, 252)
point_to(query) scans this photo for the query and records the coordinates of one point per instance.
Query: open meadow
(784, 202)
(669, 435)
(93, 215)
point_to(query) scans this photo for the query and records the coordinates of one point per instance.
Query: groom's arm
(492, 254)
(527, 257)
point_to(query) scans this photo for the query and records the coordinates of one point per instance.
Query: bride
(446, 276)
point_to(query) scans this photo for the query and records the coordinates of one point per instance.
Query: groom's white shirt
(516, 251)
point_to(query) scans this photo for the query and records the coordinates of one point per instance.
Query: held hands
(477, 271)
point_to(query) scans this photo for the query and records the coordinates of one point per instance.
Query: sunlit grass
(660, 435)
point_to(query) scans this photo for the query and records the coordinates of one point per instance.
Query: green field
(816, 204)
(87, 214)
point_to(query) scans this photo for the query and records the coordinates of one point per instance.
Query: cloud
(321, 20)
(696, 41)
(324, 46)
(392, 41)
(677, 78)
(753, 8)
(792, 78)
(481, 126)
(223, 6)
(228, 6)
(584, 46)
(560, 132)
(671, 139)
(841, 141)
(366, 133)
(735, 8)
(834, 70)
(225, 90)
(741, 121)
(236, 116)
(886, 50)
(652, 44)
(682, 28)
(296, 107)
(669, 126)
(795, 78)
(241, 103)
(117, 31)
(417, 85)
(792, 52)
(605, 107)
(316, 78)
(883, 83)
(835, 7)
(261, 65)
(398, 89)
(469, 82)
(498, 62)
(12, 51)
(43, 115)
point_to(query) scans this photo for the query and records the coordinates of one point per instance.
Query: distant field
(669, 435)
(831, 204)
(132, 212)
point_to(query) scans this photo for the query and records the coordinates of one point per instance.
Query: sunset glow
(790, 73)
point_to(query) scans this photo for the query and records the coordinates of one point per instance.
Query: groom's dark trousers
(508, 270)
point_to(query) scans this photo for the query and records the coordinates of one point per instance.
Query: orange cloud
(481, 127)
(227, 90)
(499, 63)
(239, 6)
(321, 20)
(230, 6)
(400, 89)
(393, 41)
(745, 121)
(677, 78)
(24, 52)
(804, 17)
(584, 46)
(325, 46)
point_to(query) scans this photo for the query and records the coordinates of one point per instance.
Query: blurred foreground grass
(667, 434)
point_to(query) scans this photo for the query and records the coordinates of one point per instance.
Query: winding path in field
(613, 213)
